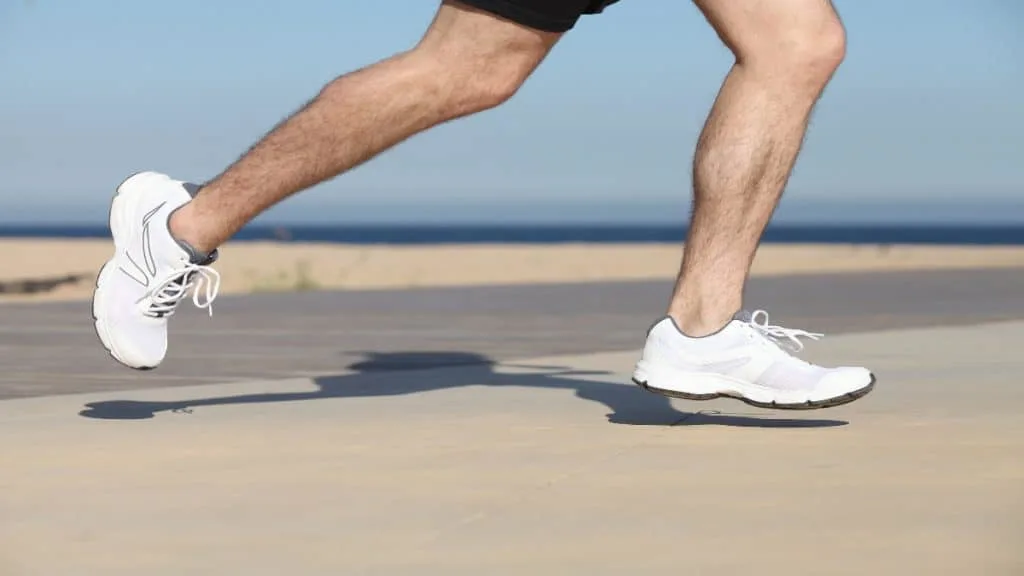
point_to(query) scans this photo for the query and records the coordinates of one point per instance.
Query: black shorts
(547, 15)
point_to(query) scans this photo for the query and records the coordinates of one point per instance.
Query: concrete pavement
(493, 431)
(448, 462)
(48, 349)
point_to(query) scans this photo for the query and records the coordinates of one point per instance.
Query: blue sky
(924, 117)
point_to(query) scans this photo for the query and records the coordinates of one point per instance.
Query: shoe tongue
(743, 316)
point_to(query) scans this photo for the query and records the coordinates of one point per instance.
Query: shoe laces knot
(163, 299)
(785, 337)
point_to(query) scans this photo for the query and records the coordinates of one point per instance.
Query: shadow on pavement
(395, 373)
(40, 285)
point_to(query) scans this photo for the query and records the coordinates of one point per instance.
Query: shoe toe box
(131, 337)
(842, 381)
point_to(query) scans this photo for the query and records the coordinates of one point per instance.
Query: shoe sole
(808, 405)
(98, 326)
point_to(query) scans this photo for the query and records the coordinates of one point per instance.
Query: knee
(803, 54)
(818, 51)
(490, 82)
(476, 78)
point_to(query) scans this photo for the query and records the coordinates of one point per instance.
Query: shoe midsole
(671, 379)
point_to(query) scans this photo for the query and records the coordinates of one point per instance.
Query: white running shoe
(745, 360)
(150, 273)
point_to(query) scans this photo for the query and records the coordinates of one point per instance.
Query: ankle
(182, 226)
(700, 322)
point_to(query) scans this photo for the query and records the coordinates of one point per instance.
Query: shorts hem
(518, 14)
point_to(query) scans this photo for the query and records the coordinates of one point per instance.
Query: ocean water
(554, 234)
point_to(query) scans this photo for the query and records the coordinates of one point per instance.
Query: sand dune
(41, 269)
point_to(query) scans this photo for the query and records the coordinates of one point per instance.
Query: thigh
(546, 15)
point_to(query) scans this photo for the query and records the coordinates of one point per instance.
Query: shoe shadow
(400, 373)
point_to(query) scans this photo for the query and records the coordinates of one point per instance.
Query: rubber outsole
(809, 405)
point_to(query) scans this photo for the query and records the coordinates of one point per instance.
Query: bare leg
(468, 61)
(786, 52)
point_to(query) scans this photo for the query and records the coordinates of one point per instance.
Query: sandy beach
(60, 269)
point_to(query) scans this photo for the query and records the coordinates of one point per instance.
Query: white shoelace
(788, 337)
(165, 297)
